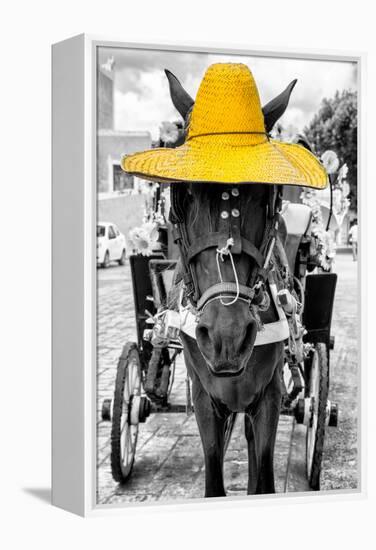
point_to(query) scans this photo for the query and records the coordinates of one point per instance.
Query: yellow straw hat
(227, 141)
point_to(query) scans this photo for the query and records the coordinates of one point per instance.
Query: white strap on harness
(277, 331)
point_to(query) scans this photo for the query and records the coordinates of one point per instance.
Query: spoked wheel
(127, 406)
(318, 398)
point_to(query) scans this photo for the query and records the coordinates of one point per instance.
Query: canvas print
(227, 261)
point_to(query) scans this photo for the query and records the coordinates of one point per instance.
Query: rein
(227, 242)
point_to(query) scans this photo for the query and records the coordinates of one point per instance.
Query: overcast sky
(142, 99)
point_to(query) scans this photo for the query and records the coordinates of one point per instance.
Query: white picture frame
(74, 282)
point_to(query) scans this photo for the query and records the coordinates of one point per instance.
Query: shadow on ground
(40, 493)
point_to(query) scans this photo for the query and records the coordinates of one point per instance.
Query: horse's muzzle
(226, 338)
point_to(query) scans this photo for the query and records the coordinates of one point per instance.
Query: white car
(110, 244)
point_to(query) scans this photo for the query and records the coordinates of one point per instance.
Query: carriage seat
(297, 218)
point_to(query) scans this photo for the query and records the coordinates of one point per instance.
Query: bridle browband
(228, 240)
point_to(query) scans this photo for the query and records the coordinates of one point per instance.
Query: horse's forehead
(211, 190)
(208, 206)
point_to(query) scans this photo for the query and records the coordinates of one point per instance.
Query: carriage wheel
(318, 393)
(125, 416)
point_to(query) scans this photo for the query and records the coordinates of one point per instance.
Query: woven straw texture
(226, 141)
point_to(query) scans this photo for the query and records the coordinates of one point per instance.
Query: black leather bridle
(229, 231)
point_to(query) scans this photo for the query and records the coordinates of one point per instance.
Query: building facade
(121, 197)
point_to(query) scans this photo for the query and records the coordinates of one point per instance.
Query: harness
(227, 241)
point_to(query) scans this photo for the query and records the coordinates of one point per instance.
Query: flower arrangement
(169, 132)
(144, 238)
(340, 191)
(325, 246)
(330, 161)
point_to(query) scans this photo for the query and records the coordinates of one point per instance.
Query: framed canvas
(207, 244)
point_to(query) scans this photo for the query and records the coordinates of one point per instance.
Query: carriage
(145, 371)
(252, 302)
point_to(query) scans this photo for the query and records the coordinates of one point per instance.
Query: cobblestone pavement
(340, 459)
(169, 459)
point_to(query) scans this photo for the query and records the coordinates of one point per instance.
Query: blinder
(229, 231)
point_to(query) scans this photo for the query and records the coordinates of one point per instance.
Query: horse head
(227, 329)
(227, 326)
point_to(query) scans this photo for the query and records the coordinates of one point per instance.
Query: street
(169, 459)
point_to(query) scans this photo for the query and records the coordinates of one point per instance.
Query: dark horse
(229, 374)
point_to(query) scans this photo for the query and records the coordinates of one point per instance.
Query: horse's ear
(277, 106)
(302, 140)
(180, 98)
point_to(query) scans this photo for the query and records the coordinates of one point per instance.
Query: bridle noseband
(227, 241)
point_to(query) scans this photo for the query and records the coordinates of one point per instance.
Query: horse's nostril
(202, 334)
(203, 331)
(210, 343)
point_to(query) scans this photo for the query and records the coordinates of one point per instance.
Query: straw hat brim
(209, 160)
